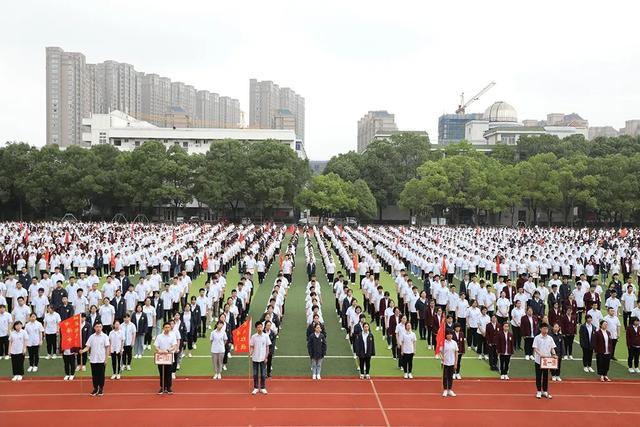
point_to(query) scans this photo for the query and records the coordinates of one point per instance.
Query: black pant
(568, 344)
(365, 365)
(34, 357)
(528, 346)
(626, 315)
(126, 355)
(69, 364)
(259, 374)
(505, 359)
(414, 320)
(51, 343)
(97, 376)
(459, 363)
(422, 328)
(517, 337)
(147, 335)
(493, 357)
(407, 362)
(4, 345)
(482, 344)
(634, 357)
(116, 362)
(203, 326)
(472, 339)
(447, 377)
(17, 364)
(269, 363)
(602, 364)
(542, 378)
(164, 371)
(587, 357)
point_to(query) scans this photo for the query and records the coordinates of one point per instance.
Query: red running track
(329, 402)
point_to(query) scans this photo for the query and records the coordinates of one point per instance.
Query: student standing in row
(218, 340)
(317, 348)
(166, 342)
(633, 344)
(116, 343)
(17, 349)
(543, 346)
(458, 336)
(587, 332)
(98, 343)
(603, 347)
(407, 344)
(365, 348)
(51, 329)
(35, 334)
(449, 357)
(259, 352)
(505, 344)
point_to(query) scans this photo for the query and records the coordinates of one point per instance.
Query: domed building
(501, 112)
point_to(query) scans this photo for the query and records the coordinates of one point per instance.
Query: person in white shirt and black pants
(449, 357)
(99, 345)
(166, 342)
(543, 346)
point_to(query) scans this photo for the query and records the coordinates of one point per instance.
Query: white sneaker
(538, 395)
(19, 377)
(545, 394)
(558, 379)
(361, 376)
(118, 376)
(486, 357)
(526, 357)
(506, 377)
(480, 357)
(35, 369)
(48, 356)
(15, 378)
(128, 367)
(173, 376)
(263, 390)
(410, 376)
(368, 377)
(71, 377)
(553, 378)
(113, 377)
(6, 357)
(77, 368)
(255, 391)
(84, 368)
(585, 369)
(55, 356)
(591, 369)
(313, 377)
(451, 393)
(501, 377)
(29, 369)
(224, 367)
(190, 355)
(459, 376)
(318, 377)
(195, 347)
(570, 357)
(406, 376)
(66, 378)
(637, 370)
(388, 347)
(377, 328)
(445, 394)
(565, 357)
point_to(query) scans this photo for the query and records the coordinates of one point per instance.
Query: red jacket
(568, 325)
(633, 337)
(526, 327)
(460, 340)
(504, 345)
(598, 341)
(491, 333)
(588, 300)
(555, 317)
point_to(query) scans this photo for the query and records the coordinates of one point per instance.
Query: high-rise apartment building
(374, 122)
(272, 107)
(76, 89)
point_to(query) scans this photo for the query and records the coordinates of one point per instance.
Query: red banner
(241, 337)
(71, 332)
(440, 337)
(67, 237)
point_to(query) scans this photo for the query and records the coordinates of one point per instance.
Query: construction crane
(462, 107)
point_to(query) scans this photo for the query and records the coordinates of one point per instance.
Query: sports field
(291, 357)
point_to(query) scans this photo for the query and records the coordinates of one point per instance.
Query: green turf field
(291, 357)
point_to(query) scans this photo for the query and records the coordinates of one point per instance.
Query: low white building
(126, 133)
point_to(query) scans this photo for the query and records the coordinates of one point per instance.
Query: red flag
(67, 237)
(205, 261)
(477, 231)
(355, 261)
(113, 260)
(71, 332)
(498, 264)
(398, 240)
(241, 337)
(443, 268)
(624, 232)
(281, 261)
(437, 239)
(173, 236)
(26, 235)
(441, 335)
(46, 256)
(132, 234)
(241, 238)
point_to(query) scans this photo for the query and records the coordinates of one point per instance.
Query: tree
(327, 195)
(346, 165)
(538, 184)
(365, 202)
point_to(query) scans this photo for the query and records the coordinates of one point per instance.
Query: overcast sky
(345, 57)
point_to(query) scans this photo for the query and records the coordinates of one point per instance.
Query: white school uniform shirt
(129, 331)
(17, 340)
(260, 344)
(407, 342)
(21, 313)
(613, 303)
(130, 300)
(107, 314)
(51, 321)
(5, 321)
(34, 333)
(98, 345)
(629, 301)
(449, 352)
(503, 305)
(596, 316)
(516, 316)
(218, 339)
(40, 304)
(613, 324)
(544, 345)
(116, 341)
(165, 342)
